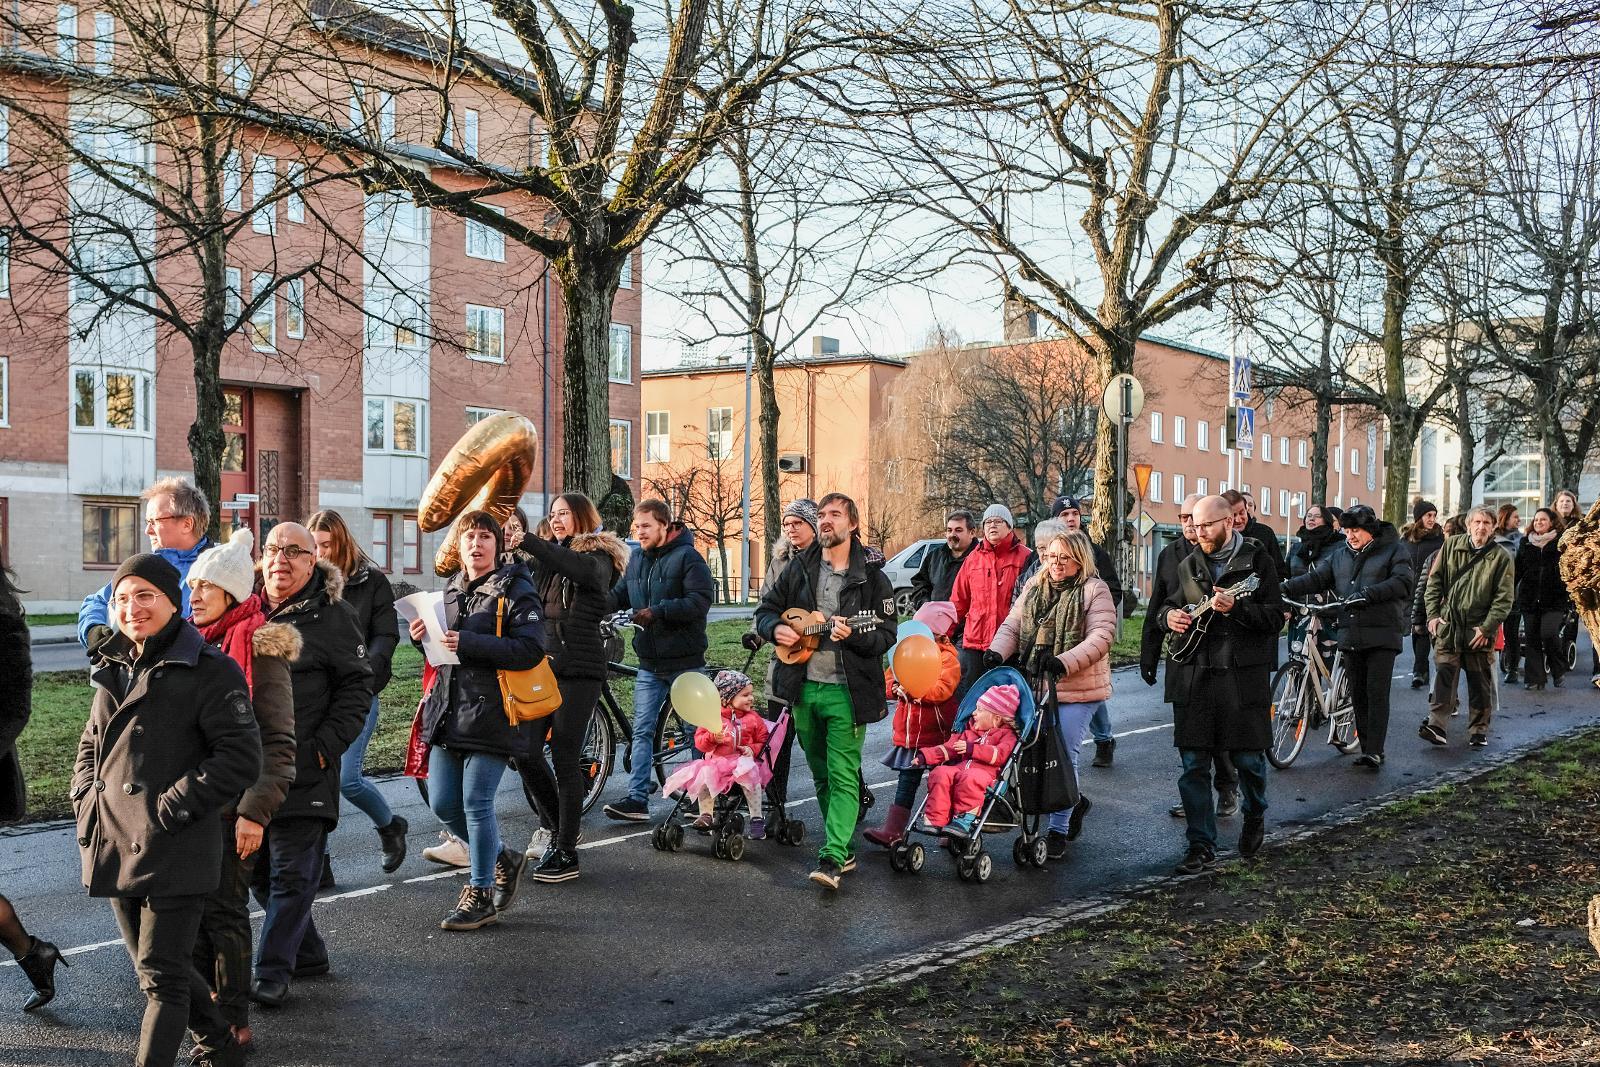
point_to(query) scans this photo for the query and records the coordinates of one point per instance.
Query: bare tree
(704, 486)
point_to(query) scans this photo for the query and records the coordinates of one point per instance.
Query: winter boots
(893, 828)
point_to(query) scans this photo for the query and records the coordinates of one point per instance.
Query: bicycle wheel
(1288, 715)
(599, 755)
(1342, 724)
(674, 742)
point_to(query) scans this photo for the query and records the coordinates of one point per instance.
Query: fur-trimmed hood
(332, 578)
(280, 640)
(604, 541)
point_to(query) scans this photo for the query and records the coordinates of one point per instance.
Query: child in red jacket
(965, 766)
(919, 723)
(730, 755)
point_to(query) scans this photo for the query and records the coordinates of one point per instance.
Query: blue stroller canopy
(1026, 709)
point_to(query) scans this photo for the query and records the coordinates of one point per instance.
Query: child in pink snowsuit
(729, 755)
(965, 766)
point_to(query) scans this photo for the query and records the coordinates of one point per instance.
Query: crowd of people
(235, 697)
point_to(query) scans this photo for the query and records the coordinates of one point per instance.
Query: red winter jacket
(986, 752)
(745, 729)
(982, 593)
(920, 723)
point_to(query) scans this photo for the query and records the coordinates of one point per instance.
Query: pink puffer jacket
(1088, 677)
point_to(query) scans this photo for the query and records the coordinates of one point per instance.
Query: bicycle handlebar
(1325, 609)
(621, 620)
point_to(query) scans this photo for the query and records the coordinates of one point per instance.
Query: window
(67, 32)
(1300, 503)
(5, 532)
(5, 394)
(1266, 448)
(264, 319)
(1355, 461)
(1179, 426)
(486, 242)
(486, 328)
(110, 532)
(382, 538)
(410, 545)
(396, 425)
(1302, 452)
(1245, 488)
(719, 433)
(1202, 435)
(1266, 500)
(1155, 486)
(386, 113)
(294, 307)
(621, 367)
(1202, 486)
(5, 264)
(1177, 489)
(263, 176)
(5, 137)
(235, 301)
(232, 181)
(400, 215)
(105, 42)
(622, 448)
(294, 201)
(477, 415)
(657, 437)
(625, 281)
(469, 132)
(1155, 427)
(239, 75)
(356, 114)
(1338, 462)
(1283, 502)
(1283, 449)
(116, 401)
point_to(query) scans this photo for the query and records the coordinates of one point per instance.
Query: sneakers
(558, 865)
(1075, 820)
(757, 830)
(451, 851)
(1255, 831)
(1055, 844)
(229, 1054)
(1197, 859)
(1176, 811)
(474, 910)
(1227, 803)
(1432, 734)
(849, 865)
(392, 838)
(539, 844)
(1370, 760)
(507, 877)
(1419, 683)
(827, 874)
(629, 810)
(1104, 752)
(963, 825)
(1478, 740)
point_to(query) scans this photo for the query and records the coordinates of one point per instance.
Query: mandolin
(1180, 647)
(813, 626)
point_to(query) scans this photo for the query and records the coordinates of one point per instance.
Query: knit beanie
(155, 570)
(999, 511)
(228, 566)
(804, 508)
(938, 616)
(1002, 701)
(730, 684)
(1421, 508)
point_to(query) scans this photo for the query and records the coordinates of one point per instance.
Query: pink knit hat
(1002, 701)
(938, 616)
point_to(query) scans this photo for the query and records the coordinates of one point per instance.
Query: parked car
(902, 567)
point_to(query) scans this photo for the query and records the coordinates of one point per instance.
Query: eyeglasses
(288, 552)
(1213, 522)
(144, 598)
(160, 519)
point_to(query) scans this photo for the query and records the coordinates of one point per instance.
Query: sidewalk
(62, 634)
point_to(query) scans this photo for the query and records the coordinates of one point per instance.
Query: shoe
(1055, 844)
(629, 810)
(326, 881)
(1432, 734)
(1254, 832)
(474, 910)
(1555, 680)
(558, 865)
(827, 874)
(1371, 760)
(1227, 803)
(244, 1038)
(229, 1054)
(1534, 687)
(539, 844)
(269, 993)
(1594, 680)
(39, 964)
(1512, 678)
(451, 851)
(1104, 752)
(1478, 740)
(703, 822)
(508, 867)
(757, 830)
(893, 828)
(311, 970)
(1075, 820)
(963, 825)
(393, 840)
(849, 865)
(1176, 811)
(1419, 683)
(1197, 859)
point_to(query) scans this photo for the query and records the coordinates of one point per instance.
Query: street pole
(744, 500)
(1122, 482)
(1338, 463)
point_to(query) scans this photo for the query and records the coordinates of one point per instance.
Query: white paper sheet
(429, 607)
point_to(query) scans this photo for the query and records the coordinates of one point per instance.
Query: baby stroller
(1002, 808)
(729, 814)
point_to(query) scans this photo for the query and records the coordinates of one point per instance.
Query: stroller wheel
(794, 832)
(1040, 852)
(916, 856)
(897, 858)
(1021, 852)
(719, 847)
(674, 836)
(733, 847)
(982, 867)
(658, 839)
(963, 868)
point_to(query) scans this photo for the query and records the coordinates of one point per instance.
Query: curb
(898, 970)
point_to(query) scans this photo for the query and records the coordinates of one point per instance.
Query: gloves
(991, 660)
(99, 635)
(1148, 673)
(1357, 601)
(751, 641)
(643, 617)
(1054, 667)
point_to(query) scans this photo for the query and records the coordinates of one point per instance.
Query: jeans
(1370, 672)
(461, 788)
(650, 692)
(159, 933)
(285, 884)
(558, 796)
(222, 950)
(1100, 724)
(1194, 786)
(355, 786)
(826, 721)
(1072, 722)
(1546, 656)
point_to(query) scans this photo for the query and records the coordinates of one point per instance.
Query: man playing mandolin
(837, 690)
(1227, 593)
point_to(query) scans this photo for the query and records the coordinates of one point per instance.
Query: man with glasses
(940, 564)
(176, 515)
(332, 690)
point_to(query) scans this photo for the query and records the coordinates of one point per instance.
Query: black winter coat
(1152, 638)
(1260, 531)
(332, 691)
(1423, 547)
(1312, 546)
(171, 739)
(1382, 574)
(465, 711)
(1539, 585)
(866, 588)
(674, 582)
(574, 580)
(368, 591)
(937, 574)
(16, 705)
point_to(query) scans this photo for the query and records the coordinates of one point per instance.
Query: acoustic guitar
(813, 626)
(1181, 647)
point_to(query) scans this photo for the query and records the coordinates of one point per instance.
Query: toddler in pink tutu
(730, 755)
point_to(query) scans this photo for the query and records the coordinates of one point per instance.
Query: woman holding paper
(464, 718)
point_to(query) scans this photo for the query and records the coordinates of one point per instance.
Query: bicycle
(1309, 691)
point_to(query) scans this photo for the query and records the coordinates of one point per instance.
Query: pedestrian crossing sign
(1241, 427)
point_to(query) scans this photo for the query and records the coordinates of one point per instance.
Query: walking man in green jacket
(1469, 595)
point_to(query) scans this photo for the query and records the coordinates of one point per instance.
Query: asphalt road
(646, 942)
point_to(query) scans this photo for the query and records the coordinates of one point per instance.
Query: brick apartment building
(335, 397)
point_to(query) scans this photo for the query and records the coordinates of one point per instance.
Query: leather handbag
(530, 694)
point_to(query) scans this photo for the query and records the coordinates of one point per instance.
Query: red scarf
(234, 631)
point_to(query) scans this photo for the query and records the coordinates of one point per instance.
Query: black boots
(39, 964)
(1103, 751)
(393, 839)
(474, 910)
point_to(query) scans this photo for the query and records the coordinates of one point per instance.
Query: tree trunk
(1111, 359)
(1403, 429)
(585, 384)
(771, 505)
(206, 439)
(1319, 448)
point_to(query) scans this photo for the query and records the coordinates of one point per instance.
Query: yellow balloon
(697, 701)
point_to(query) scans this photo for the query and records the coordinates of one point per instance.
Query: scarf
(1540, 540)
(233, 632)
(1052, 615)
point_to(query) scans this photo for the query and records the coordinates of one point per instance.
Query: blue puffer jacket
(95, 609)
(674, 582)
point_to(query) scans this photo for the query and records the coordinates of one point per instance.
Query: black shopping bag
(1044, 774)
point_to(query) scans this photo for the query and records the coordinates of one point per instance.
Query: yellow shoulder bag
(530, 694)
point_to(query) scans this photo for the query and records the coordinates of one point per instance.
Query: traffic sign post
(1239, 379)
(1123, 402)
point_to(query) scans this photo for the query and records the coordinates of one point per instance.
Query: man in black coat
(332, 690)
(170, 740)
(937, 575)
(1222, 688)
(1244, 520)
(1069, 509)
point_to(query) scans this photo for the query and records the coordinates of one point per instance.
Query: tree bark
(1111, 358)
(585, 387)
(1319, 448)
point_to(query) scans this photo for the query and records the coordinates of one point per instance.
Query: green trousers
(825, 722)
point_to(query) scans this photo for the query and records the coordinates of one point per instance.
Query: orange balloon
(916, 664)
